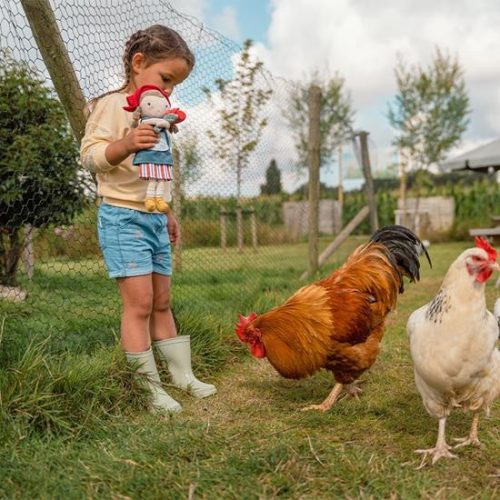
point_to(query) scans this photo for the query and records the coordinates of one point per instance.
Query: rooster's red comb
(242, 325)
(483, 243)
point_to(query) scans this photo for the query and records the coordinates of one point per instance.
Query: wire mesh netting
(231, 235)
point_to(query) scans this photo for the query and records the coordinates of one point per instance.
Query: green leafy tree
(240, 114)
(431, 109)
(39, 178)
(273, 179)
(336, 117)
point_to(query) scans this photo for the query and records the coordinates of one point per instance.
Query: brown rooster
(337, 323)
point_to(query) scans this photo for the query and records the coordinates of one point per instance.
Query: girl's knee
(142, 305)
(161, 301)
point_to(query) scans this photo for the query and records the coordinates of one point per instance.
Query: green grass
(72, 423)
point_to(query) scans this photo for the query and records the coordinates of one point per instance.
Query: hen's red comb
(242, 325)
(483, 243)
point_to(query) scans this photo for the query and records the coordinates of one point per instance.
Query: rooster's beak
(495, 266)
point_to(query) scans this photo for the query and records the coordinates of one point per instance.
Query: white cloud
(226, 22)
(361, 39)
(195, 8)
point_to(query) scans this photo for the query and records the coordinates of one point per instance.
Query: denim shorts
(134, 243)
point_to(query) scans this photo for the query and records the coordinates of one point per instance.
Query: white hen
(453, 346)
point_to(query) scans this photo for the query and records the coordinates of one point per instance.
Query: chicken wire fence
(48, 210)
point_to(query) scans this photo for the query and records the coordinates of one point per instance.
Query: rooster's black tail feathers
(404, 248)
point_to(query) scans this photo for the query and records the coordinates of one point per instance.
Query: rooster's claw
(315, 407)
(467, 441)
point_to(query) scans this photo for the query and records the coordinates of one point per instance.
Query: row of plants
(476, 200)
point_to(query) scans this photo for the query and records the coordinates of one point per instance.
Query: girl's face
(165, 74)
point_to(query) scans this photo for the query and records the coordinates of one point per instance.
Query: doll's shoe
(161, 205)
(150, 204)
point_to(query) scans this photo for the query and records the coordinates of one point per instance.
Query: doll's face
(153, 104)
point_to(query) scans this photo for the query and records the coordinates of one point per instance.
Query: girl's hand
(173, 229)
(141, 137)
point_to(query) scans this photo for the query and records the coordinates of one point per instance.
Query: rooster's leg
(329, 401)
(354, 390)
(442, 449)
(473, 438)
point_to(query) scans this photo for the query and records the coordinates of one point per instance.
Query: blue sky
(252, 16)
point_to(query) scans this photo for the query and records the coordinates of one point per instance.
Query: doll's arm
(159, 122)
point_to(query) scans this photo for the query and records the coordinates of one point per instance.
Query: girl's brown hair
(156, 43)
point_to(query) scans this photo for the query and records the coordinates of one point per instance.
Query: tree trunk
(10, 253)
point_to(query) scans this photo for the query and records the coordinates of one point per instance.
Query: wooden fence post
(340, 238)
(253, 226)
(340, 189)
(48, 38)
(314, 161)
(239, 228)
(223, 231)
(367, 172)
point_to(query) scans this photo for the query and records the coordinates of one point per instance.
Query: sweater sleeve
(102, 128)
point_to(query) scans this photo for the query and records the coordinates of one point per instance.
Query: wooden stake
(223, 232)
(239, 229)
(340, 238)
(340, 189)
(314, 163)
(367, 172)
(253, 225)
(48, 38)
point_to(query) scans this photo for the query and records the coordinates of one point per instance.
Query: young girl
(136, 243)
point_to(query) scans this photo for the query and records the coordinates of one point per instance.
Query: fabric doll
(150, 104)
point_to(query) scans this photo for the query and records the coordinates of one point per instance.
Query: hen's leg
(329, 401)
(473, 438)
(442, 449)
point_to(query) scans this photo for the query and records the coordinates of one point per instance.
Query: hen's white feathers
(453, 345)
(496, 313)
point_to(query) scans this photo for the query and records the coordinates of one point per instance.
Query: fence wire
(61, 274)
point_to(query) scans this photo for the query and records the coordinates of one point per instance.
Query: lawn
(72, 423)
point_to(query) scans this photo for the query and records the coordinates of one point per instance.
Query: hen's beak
(495, 266)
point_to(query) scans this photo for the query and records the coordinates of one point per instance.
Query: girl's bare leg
(137, 298)
(161, 324)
